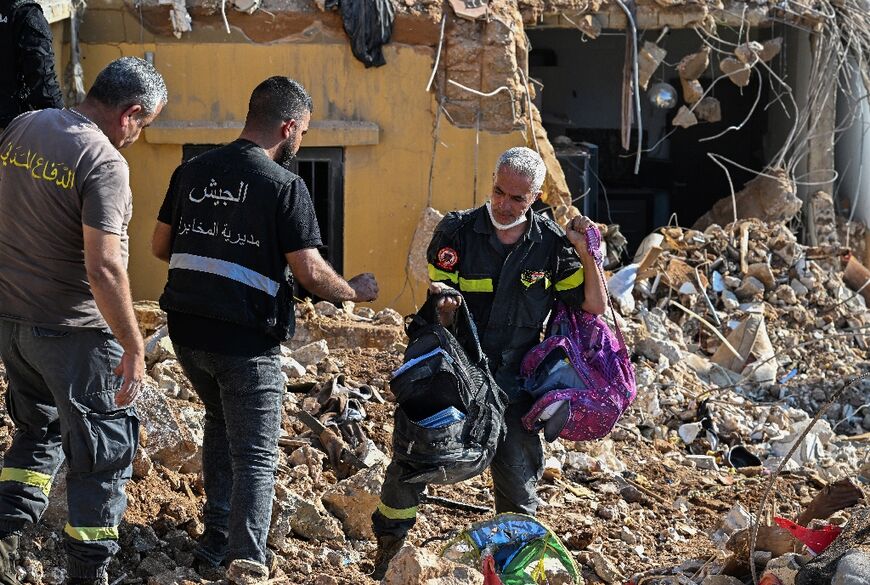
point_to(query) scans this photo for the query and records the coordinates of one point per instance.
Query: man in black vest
(27, 78)
(510, 264)
(234, 223)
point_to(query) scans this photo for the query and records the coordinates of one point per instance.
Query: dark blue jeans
(61, 397)
(242, 397)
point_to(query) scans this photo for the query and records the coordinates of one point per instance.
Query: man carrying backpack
(510, 264)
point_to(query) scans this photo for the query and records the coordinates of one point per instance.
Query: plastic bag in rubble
(369, 24)
(518, 549)
(417, 263)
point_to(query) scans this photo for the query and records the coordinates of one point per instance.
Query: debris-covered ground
(670, 492)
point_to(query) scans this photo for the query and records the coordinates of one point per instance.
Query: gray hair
(525, 162)
(130, 81)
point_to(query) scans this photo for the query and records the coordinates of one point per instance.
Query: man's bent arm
(318, 277)
(161, 241)
(111, 289)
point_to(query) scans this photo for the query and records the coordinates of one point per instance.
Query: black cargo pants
(61, 397)
(516, 468)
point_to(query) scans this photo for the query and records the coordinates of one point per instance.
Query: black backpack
(445, 368)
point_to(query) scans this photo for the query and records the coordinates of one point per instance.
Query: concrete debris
(154, 564)
(737, 71)
(691, 67)
(353, 500)
(311, 354)
(326, 309)
(149, 316)
(771, 197)
(709, 110)
(179, 575)
(770, 49)
(389, 317)
(158, 346)
(292, 514)
(684, 118)
(174, 434)
(824, 220)
(291, 368)
(603, 567)
(748, 53)
(670, 484)
(649, 58)
(358, 329)
(415, 566)
(692, 91)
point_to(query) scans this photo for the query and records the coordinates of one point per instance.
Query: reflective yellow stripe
(475, 284)
(88, 533)
(397, 514)
(25, 476)
(436, 275)
(572, 281)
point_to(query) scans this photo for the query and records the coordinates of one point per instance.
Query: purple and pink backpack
(580, 376)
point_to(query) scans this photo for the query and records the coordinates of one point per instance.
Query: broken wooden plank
(454, 504)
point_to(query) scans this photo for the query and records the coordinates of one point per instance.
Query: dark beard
(285, 155)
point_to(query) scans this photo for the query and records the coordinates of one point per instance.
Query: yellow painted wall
(385, 184)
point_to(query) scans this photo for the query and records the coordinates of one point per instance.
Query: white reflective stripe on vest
(226, 269)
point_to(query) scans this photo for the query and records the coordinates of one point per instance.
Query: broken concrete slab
(737, 71)
(771, 197)
(770, 49)
(691, 67)
(341, 334)
(649, 58)
(709, 110)
(354, 499)
(684, 118)
(417, 566)
(171, 440)
(311, 354)
(293, 514)
(748, 52)
(149, 316)
(692, 91)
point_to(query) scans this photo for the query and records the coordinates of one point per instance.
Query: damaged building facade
(721, 94)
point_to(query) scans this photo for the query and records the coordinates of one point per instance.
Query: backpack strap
(593, 243)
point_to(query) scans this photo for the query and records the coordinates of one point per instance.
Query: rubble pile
(749, 308)
(666, 498)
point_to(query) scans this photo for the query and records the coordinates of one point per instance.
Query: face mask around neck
(504, 226)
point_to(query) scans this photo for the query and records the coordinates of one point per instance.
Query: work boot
(388, 546)
(8, 556)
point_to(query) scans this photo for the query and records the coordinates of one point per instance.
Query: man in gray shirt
(69, 340)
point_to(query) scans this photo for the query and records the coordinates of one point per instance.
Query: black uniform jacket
(509, 289)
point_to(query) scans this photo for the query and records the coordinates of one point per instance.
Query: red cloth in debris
(816, 540)
(490, 575)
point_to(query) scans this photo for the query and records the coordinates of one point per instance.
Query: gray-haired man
(510, 263)
(68, 337)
